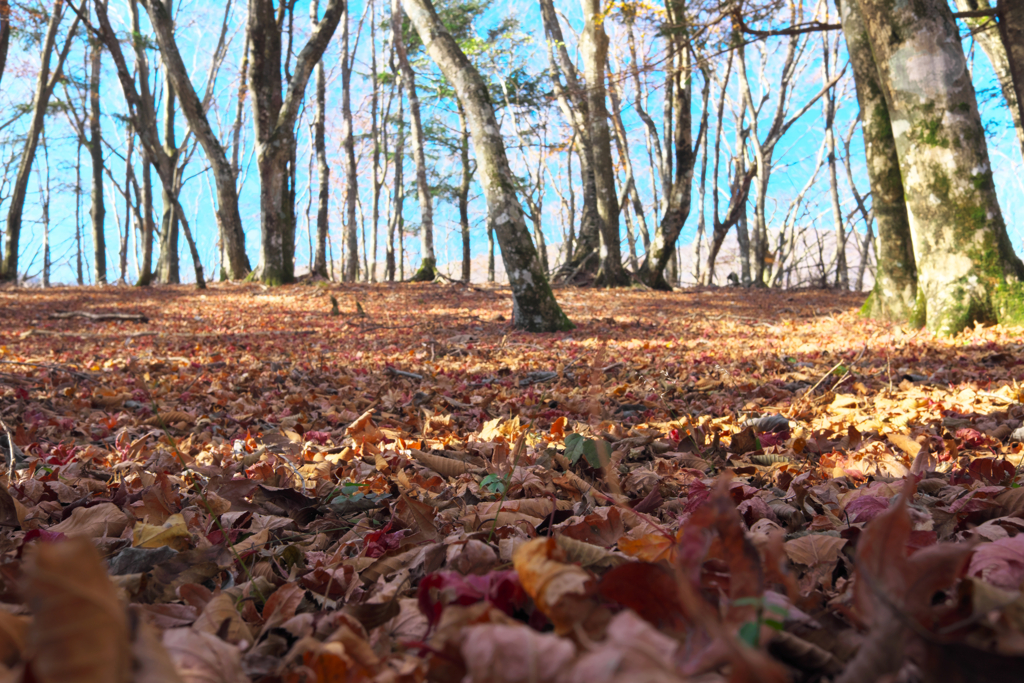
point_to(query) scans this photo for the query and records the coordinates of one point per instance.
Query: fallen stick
(100, 317)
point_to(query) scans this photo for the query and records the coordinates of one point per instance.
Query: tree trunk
(428, 267)
(274, 115)
(45, 83)
(351, 272)
(986, 31)
(967, 270)
(829, 114)
(228, 218)
(534, 305)
(98, 211)
(467, 177)
(895, 291)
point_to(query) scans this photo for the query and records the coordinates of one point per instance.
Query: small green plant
(750, 631)
(597, 452)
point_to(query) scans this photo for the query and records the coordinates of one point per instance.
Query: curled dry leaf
(515, 654)
(79, 633)
(201, 657)
(168, 419)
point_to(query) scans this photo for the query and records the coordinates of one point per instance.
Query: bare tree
(46, 80)
(5, 34)
(323, 171)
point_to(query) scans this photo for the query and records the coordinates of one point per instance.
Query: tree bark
(965, 262)
(274, 115)
(228, 218)
(146, 263)
(98, 211)
(534, 305)
(45, 83)
(895, 291)
(168, 266)
(428, 266)
(397, 222)
(594, 49)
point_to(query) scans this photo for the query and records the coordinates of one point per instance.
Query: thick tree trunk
(228, 218)
(986, 31)
(323, 171)
(594, 48)
(274, 116)
(98, 211)
(428, 266)
(351, 272)
(967, 270)
(534, 305)
(895, 291)
(45, 83)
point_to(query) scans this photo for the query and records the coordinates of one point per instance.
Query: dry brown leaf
(221, 617)
(105, 519)
(201, 657)
(814, 549)
(173, 533)
(563, 592)
(168, 419)
(79, 633)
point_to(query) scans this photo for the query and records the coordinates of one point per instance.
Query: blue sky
(198, 22)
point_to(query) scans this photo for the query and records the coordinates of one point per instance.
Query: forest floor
(702, 485)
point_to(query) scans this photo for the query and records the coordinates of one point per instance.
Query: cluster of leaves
(710, 484)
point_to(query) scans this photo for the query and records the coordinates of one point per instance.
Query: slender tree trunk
(98, 211)
(594, 48)
(829, 114)
(323, 171)
(397, 222)
(585, 260)
(45, 83)
(1011, 27)
(146, 263)
(168, 265)
(534, 305)
(428, 266)
(79, 275)
(351, 273)
(274, 116)
(44, 184)
(895, 292)
(677, 196)
(5, 34)
(622, 145)
(467, 176)
(378, 138)
(229, 220)
(122, 254)
(967, 270)
(986, 31)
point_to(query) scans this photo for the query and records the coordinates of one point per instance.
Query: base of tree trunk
(427, 271)
(1008, 301)
(875, 309)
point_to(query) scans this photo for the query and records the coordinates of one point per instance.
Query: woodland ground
(701, 485)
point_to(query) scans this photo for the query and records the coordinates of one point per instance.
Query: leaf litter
(707, 485)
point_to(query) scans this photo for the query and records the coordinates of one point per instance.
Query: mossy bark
(961, 247)
(534, 304)
(895, 293)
